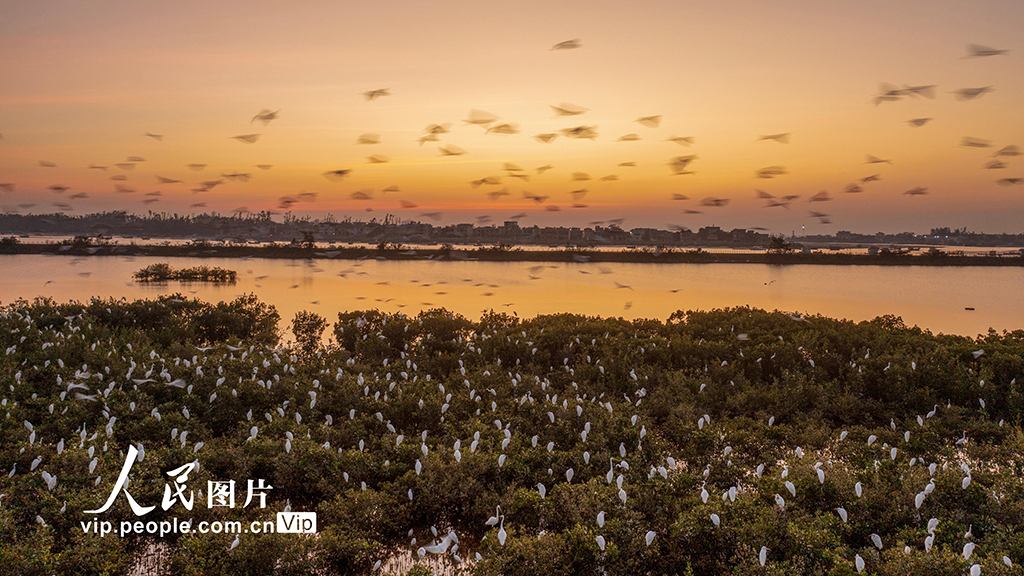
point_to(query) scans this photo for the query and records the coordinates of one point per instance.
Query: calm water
(934, 298)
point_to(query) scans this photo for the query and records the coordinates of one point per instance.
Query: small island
(163, 272)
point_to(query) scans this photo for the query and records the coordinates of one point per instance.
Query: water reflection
(934, 298)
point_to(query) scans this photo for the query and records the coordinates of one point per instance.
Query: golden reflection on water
(934, 298)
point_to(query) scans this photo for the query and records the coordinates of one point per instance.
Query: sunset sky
(82, 82)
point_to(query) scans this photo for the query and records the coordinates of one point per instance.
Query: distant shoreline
(494, 254)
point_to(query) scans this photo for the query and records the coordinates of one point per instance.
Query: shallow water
(931, 297)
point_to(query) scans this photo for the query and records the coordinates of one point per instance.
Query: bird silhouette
(782, 138)
(567, 45)
(977, 51)
(372, 95)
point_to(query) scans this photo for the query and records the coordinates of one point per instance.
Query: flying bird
(679, 164)
(337, 175)
(372, 95)
(451, 150)
(567, 45)
(265, 116)
(780, 138)
(927, 91)
(770, 172)
(435, 129)
(504, 128)
(918, 122)
(649, 121)
(157, 137)
(565, 109)
(247, 138)
(970, 142)
(580, 132)
(480, 118)
(976, 51)
(488, 180)
(964, 94)
(714, 202)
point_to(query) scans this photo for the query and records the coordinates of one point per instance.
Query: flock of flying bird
(199, 378)
(492, 184)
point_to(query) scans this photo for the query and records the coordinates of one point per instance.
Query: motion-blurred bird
(649, 121)
(977, 51)
(565, 109)
(782, 138)
(567, 45)
(372, 95)
(971, 93)
(265, 116)
(337, 175)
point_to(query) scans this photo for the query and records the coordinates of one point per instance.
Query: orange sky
(82, 82)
